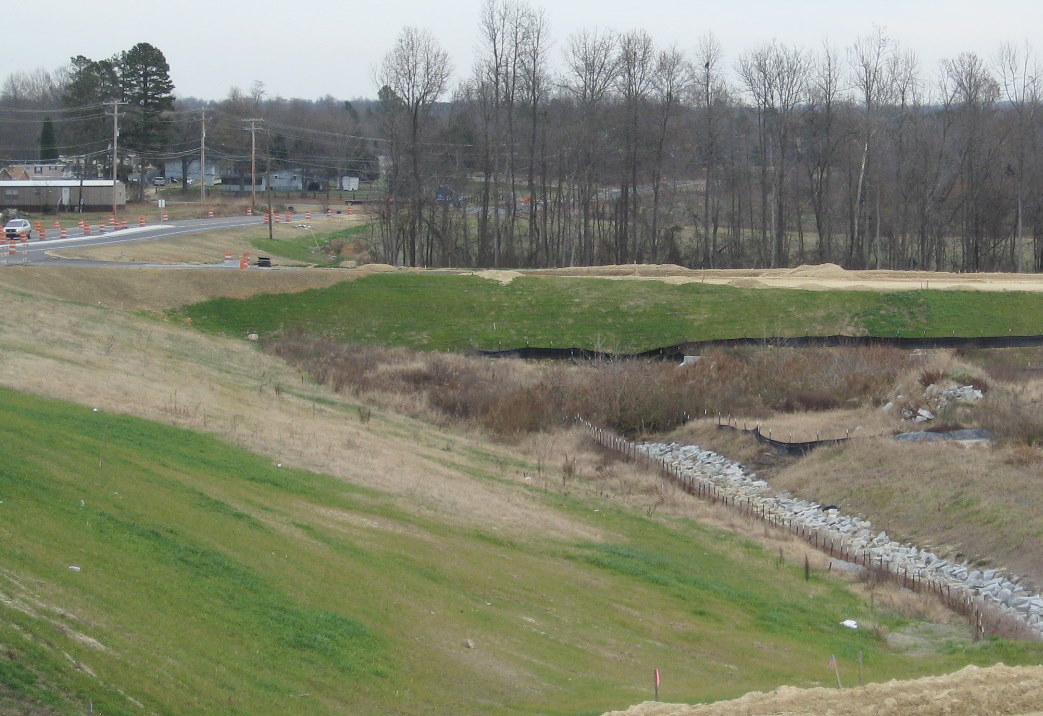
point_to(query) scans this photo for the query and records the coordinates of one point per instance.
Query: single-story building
(36, 171)
(62, 194)
(173, 168)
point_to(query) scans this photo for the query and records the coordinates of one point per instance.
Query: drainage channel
(993, 601)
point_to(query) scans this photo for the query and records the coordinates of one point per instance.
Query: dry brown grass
(972, 691)
(124, 363)
(161, 289)
(1015, 414)
(510, 398)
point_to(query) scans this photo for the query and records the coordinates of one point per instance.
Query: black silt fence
(678, 351)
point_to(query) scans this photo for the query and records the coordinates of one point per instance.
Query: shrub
(1014, 416)
(511, 398)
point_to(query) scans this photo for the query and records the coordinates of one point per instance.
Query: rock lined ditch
(1000, 592)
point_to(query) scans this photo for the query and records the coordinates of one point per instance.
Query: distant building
(61, 194)
(214, 171)
(32, 171)
(288, 180)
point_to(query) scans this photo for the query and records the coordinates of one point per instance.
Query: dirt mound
(819, 271)
(504, 277)
(651, 270)
(747, 283)
(378, 268)
(998, 690)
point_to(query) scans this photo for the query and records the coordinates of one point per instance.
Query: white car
(18, 228)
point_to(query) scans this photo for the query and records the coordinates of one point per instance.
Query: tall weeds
(509, 398)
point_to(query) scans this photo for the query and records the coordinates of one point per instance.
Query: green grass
(310, 247)
(212, 581)
(450, 312)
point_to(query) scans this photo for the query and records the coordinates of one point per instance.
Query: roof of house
(17, 184)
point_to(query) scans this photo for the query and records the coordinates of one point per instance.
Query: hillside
(385, 566)
(432, 311)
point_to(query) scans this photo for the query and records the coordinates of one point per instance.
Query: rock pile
(1001, 591)
(957, 393)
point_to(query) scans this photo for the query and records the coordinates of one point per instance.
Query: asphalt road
(35, 251)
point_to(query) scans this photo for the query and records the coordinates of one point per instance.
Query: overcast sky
(313, 48)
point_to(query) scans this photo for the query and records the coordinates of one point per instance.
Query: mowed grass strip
(456, 312)
(212, 581)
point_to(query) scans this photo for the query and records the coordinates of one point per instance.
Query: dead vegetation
(510, 398)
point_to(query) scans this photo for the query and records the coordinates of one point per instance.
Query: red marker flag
(833, 665)
(657, 680)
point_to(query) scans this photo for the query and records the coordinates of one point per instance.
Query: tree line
(633, 152)
(612, 149)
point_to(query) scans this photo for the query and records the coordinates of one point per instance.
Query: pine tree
(48, 141)
(86, 129)
(146, 86)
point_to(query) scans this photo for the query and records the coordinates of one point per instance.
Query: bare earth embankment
(972, 691)
(811, 278)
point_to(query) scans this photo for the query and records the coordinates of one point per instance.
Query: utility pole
(253, 160)
(268, 180)
(115, 150)
(202, 163)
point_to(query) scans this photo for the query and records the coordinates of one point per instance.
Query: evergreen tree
(86, 129)
(48, 141)
(146, 87)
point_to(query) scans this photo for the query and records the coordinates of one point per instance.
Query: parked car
(18, 228)
(159, 181)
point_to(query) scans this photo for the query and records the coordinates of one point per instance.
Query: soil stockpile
(972, 691)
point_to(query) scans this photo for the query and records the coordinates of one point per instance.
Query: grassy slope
(449, 312)
(213, 581)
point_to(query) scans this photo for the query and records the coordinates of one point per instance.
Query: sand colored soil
(504, 277)
(812, 278)
(972, 691)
